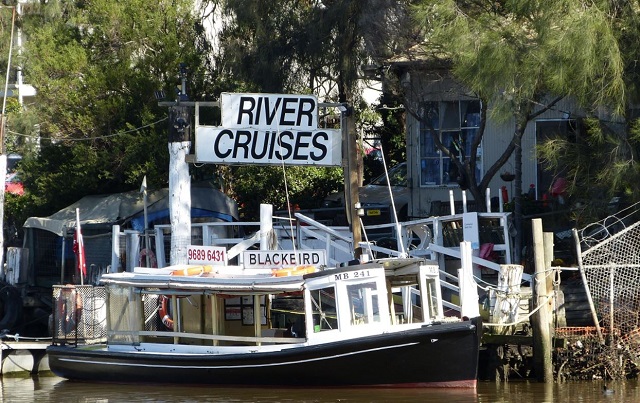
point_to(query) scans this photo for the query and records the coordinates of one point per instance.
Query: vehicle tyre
(10, 306)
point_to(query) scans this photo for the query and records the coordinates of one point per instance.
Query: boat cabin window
(323, 306)
(431, 299)
(363, 303)
(125, 307)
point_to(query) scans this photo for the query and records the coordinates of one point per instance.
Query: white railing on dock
(436, 238)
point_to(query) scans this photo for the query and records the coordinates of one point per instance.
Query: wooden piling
(541, 319)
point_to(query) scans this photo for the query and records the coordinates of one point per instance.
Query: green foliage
(521, 57)
(598, 164)
(603, 162)
(515, 52)
(303, 47)
(95, 66)
(305, 186)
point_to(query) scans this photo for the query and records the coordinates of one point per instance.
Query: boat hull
(443, 355)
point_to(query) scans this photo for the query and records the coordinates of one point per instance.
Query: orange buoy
(163, 312)
(293, 271)
(192, 271)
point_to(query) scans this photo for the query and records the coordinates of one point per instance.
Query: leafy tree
(304, 47)
(602, 162)
(96, 66)
(520, 58)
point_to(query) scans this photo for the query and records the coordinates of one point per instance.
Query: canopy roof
(128, 207)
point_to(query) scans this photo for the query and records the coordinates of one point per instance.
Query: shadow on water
(53, 389)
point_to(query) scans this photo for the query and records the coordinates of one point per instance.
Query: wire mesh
(612, 272)
(80, 314)
(610, 266)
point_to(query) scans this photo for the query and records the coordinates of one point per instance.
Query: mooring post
(266, 226)
(553, 306)
(541, 323)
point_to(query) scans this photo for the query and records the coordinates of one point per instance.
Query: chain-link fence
(79, 314)
(609, 264)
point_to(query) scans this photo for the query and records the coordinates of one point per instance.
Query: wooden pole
(215, 314)
(352, 185)
(541, 322)
(548, 258)
(592, 307)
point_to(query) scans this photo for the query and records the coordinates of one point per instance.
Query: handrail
(308, 228)
(338, 243)
(245, 339)
(323, 227)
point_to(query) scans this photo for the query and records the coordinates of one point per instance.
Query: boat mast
(351, 177)
(3, 156)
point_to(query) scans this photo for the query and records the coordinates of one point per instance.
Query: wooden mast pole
(351, 177)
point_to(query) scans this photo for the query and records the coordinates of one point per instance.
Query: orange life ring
(192, 271)
(163, 312)
(293, 271)
(153, 262)
(69, 308)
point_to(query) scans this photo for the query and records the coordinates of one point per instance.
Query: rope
(17, 337)
(526, 317)
(89, 138)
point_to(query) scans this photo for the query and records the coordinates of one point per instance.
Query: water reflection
(53, 389)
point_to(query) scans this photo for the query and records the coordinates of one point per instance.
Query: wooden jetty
(23, 358)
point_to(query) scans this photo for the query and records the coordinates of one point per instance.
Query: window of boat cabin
(349, 298)
(363, 303)
(323, 307)
(431, 293)
(126, 308)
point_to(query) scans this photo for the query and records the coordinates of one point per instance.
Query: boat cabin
(245, 307)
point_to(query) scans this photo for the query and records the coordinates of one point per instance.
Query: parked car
(375, 198)
(13, 184)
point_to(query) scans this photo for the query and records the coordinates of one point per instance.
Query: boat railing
(336, 241)
(235, 236)
(435, 238)
(212, 337)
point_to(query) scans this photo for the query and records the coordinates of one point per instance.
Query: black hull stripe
(126, 364)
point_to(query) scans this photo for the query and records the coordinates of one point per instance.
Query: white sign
(211, 255)
(277, 259)
(268, 129)
(232, 146)
(269, 111)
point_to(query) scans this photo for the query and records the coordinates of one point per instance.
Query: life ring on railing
(69, 308)
(294, 271)
(153, 262)
(163, 311)
(192, 271)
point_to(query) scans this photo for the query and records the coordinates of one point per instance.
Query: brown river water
(54, 389)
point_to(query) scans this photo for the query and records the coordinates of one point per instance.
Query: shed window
(454, 123)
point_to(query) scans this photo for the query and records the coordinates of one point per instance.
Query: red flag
(78, 248)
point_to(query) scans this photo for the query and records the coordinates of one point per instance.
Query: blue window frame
(455, 123)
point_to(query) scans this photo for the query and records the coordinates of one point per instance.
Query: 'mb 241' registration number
(353, 275)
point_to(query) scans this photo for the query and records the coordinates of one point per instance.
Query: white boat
(374, 324)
